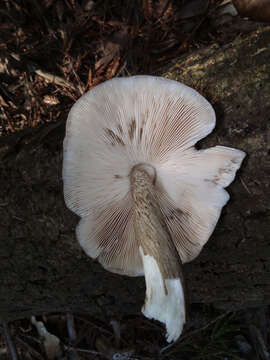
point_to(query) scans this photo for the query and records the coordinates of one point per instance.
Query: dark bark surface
(42, 267)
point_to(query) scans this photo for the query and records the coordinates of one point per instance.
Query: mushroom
(148, 200)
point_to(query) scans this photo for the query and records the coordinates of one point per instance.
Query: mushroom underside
(191, 206)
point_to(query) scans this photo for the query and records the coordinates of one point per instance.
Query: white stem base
(168, 308)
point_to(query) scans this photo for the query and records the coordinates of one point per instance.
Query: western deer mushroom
(148, 200)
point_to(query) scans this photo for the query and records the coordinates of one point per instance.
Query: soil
(43, 268)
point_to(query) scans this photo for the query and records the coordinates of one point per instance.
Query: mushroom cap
(143, 119)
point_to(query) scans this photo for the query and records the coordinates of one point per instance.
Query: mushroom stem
(165, 290)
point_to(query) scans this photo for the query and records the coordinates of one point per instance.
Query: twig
(259, 343)
(72, 336)
(9, 122)
(68, 348)
(54, 79)
(71, 327)
(92, 323)
(245, 185)
(11, 346)
(191, 34)
(196, 331)
(117, 332)
(29, 348)
(8, 94)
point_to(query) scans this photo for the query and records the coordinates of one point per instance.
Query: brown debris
(51, 52)
(82, 337)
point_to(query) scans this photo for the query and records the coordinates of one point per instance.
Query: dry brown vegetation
(52, 51)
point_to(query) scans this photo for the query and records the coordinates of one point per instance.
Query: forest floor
(211, 334)
(52, 52)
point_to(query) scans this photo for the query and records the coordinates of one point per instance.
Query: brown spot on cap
(115, 138)
(132, 127)
(141, 132)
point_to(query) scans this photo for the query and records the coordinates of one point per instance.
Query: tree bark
(42, 267)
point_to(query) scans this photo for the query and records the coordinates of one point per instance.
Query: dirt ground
(50, 54)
